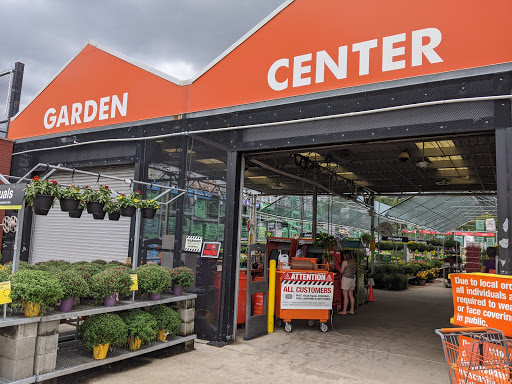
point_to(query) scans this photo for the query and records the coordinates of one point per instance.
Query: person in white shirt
(301, 251)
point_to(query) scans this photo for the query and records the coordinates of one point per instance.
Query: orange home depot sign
(307, 47)
(481, 299)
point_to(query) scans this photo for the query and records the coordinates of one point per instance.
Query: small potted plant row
(41, 194)
(135, 327)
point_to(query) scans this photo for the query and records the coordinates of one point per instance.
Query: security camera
(404, 156)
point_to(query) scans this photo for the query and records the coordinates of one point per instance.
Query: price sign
(5, 291)
(372, 246)
(135, 283)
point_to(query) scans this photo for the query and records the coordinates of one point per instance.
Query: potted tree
(149, 208)
(35, 291)
(69, 198)
(167, 320)
(142, 328)
(327, 242)
(40, 193)
(74, 287)
(96, 199)
(109, 283)
(98, 332)
(153, 280)
(113, 210)
(128, 204)
(182, 277)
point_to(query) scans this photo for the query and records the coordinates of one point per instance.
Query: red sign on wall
(211, 250)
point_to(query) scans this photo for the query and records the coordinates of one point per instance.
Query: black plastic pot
(114, 216)
(76, 214)
(128, 211)
(95, 207)
(148, 213)
(99, 216)
(68, 204)
(42, 204)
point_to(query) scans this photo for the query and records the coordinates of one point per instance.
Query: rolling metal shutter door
(59, 237)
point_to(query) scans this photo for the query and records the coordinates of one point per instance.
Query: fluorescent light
(345, 173)
(209, 161)
(257, 177)
(444, 158)
(312, 155)
(435, 144)
(453, 169)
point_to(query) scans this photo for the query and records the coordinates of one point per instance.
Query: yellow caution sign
(372, 246)
(5, 291)
(135, 283)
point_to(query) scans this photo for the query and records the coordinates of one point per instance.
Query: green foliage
(132, 200)
(153, 279)
(141, 324)
(52, 265)
(22, 266)
(87, 270)
(421, 247)
(104, 328)
(166, 318)
(71, 192)
(112, 207)
(430, 276)
(73, 285)
(378, 278)
(395, 282)
(110, 281)
(436, 242)
(408, 269)
(450, 243)
(182, 276)
(412, 245)
(35, 287)
(366, 238)
(4, 274)
(149, 204)
(386, 269)
(102, 195)
(38, 186)
(325, 241)
(386, 246)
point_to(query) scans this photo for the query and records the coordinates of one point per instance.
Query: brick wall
(5, 167)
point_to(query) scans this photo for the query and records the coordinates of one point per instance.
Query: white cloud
(178, 69)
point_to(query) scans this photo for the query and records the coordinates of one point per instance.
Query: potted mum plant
(69, 198)
(167, 320)
(98, 332)
(4, 274)
(96, 199)
(40, 194)
(109, 283)
(182, 277)
(128, 204)
(113, 210)
(74, 287)
(149, 208)
(153, 279)
(35, 291)
(422, 277)
(142, 328)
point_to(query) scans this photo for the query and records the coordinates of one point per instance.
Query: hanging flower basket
(69, 205)
(42, 204)
(148, 213)
(114, 216)
(96, 200)
(99, 216)
(128, 204)
(94, 207)
(76, 214)
(149, 208)
(128, 211)
(69, 198)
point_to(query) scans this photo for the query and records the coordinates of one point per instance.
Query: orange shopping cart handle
(468, 329)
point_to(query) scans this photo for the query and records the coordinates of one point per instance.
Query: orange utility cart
(303, 295)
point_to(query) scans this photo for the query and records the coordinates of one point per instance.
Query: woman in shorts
(348, 270)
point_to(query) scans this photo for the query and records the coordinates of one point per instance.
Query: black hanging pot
(148, 213)
(114, 216)
(99, 216)
(69, 204)
(128, 211)
(42, 204)
(76, 214)
(95, 207)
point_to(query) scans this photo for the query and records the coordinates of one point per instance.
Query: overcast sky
(178, 37)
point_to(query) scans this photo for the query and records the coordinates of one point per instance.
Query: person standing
(348, 270)
(301, 251)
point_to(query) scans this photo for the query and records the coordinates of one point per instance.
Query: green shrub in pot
(32, 286)
(167, 319)
(152, 278)
(110, 281)
(105, 328)
(87, 270)
(5, 275)
(395, 282)
(182, 276)
(73, 284)
(140, 324)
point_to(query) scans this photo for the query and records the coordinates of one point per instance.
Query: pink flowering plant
(132, 200)
(38, 186)
(110, 281)
(182, 276)
(102, 195)
(73, 284)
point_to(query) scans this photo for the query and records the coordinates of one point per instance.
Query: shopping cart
(477, 355)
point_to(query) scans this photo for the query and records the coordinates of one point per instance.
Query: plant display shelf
(86, 310)
(72, 357)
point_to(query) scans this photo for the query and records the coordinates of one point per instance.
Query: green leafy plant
(52, 265)
(112, 207)
(141, 324)
(87, 270)
(149, 204)
(366, 238)
(5, 275)
(182, 276)
(31, 286)
(152, 278)
(110, 281)
(386, 246)
(325, 241)
(71, 192)
(167, 319)
(395, 282)
(102, 195)
(38, 186)
(131, 200)
(73, 285)
(102, 329)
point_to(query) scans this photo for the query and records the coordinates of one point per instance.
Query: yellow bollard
(271, 295)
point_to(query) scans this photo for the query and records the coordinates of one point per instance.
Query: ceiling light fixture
(443, 182)
(424, 163)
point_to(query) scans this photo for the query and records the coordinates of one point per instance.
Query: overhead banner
(307, 290)
(11, 196)
(482, 300)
